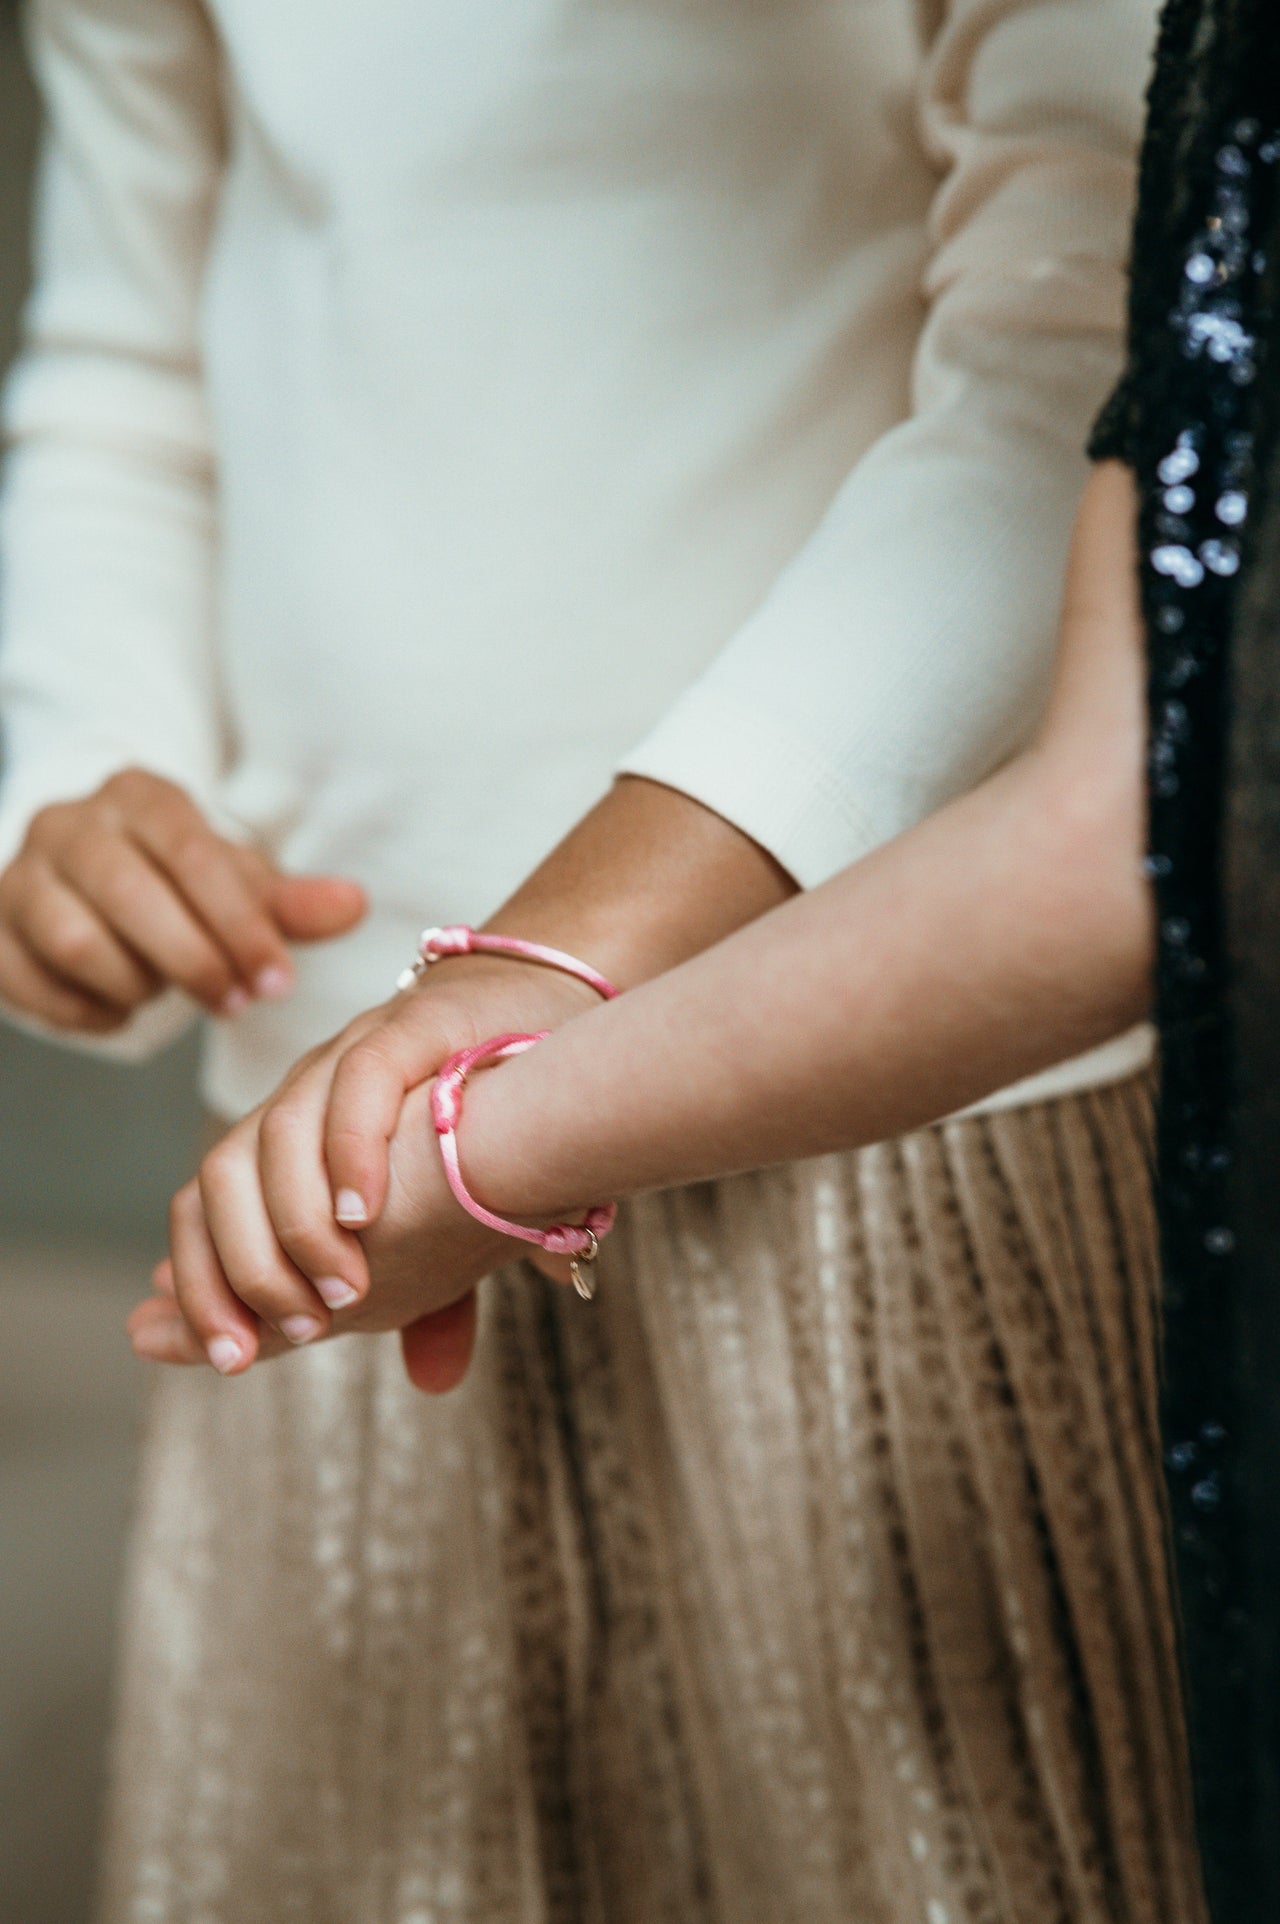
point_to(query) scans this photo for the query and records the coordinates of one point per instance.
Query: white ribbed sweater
(428, 408)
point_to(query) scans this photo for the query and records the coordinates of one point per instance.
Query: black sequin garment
(1194, 416)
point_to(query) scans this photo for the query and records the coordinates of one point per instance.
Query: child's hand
(129, 891)
(424, 1257)
(254, 1240)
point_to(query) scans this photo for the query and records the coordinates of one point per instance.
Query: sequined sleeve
(1191, 416)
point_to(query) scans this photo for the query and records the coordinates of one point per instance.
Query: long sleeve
(107, 515)
(906, 650)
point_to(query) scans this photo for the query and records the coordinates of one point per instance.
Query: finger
(252, 1260)
(64, 932)
(438, 1348)
(146, 911)
(158, 1334)
(295, 1189)
(224, 886)
(313, 908)
(224, 1327)
(370, 1083)
(33, 990)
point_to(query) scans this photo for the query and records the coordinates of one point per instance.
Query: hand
(258, 1260)
(115, 897)
(268, 1233)
(424, 1258)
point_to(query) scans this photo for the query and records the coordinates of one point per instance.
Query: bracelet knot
(446, 1102)
(454, 939)
(580, 1242)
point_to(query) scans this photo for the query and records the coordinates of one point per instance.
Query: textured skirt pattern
(815, 1574)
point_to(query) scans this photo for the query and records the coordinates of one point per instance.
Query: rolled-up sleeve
(906, 651)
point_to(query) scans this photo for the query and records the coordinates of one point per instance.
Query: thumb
(311, 908)
(438, 1348)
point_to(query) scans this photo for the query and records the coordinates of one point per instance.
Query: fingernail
(273, 983)
(300, 1329)
(335, 1292)
(349, 1207)
(224, 1353)
(235, 1002)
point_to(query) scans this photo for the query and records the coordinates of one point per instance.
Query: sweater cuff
(155, 1026)
(770, 782)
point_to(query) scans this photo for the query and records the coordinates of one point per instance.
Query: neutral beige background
(88, 1157)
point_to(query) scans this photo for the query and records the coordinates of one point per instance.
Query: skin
(1008, 932)
(126, 892)
(266, 1243)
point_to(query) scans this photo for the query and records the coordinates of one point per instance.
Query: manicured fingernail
(335, 1292)
(349, 1207)
(224, 1353)
(273, 983)
(235, 1002)
(300, 1329)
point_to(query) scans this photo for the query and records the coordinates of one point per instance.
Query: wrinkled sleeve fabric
(906, 651)
(107, 514)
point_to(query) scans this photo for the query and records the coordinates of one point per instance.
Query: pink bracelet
(459, 939)
(580, 1242)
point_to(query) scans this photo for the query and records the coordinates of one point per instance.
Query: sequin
(1202, 318)
(1180, 465)
(1221, 556)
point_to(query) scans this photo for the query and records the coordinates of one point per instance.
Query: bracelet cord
(458, 938)
(580, 1242)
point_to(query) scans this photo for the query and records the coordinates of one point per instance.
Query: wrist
(498, 993)
(647, 880)
(506, 1156)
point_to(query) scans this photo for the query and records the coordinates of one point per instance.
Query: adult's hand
(129, 891)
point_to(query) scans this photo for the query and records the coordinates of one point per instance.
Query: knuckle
(48, 825)
(217, 1174)
(305, 1243)
(70, 944)
(192, 853)
(350, 1151)
(131, 785)
(369, 1060)
(282, 1128)
(87, 848)
(269, 1291)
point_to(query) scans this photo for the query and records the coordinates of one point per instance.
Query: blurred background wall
(89, 1156)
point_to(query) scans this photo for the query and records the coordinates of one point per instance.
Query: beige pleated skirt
(815, 1574)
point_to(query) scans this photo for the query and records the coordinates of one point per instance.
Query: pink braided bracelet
(580, 1242)
(459, 939)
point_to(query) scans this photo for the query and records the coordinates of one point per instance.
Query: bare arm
(1008, 932)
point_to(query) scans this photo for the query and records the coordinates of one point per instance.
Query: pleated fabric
(815, 1574)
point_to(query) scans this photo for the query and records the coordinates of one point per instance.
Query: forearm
(646, 880)
(1007, 932)
(1000, 937)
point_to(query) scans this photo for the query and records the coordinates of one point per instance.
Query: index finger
(218, 882)
(367, 1094)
